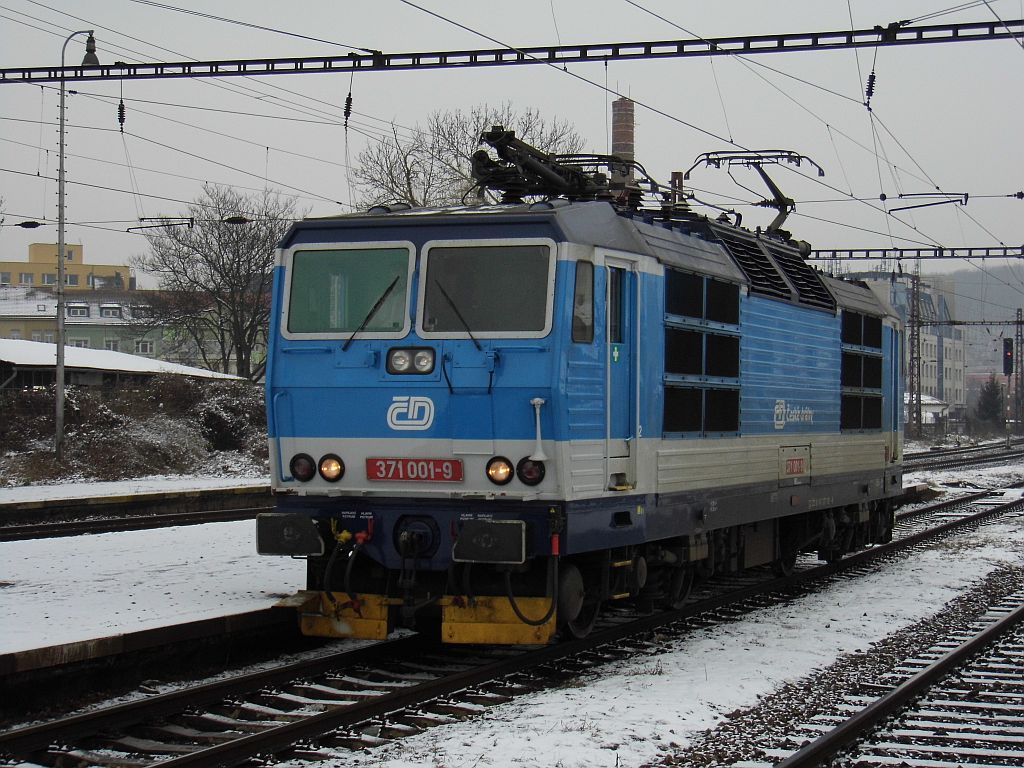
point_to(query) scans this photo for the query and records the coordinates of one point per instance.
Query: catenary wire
(170, 174)
(873, 116)
(1019, 41)
(645, 105)
(245, 91)
(744, 60)
(681, 121)
(118, 190)
(191, 12)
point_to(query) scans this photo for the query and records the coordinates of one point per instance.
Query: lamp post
(89, 60)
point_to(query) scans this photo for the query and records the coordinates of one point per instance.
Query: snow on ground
(971, 479)
(154, 484)
(60, 590)
(625, 714)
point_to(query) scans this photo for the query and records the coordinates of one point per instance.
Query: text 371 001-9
(428, 470)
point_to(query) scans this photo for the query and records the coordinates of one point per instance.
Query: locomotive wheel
(571, 592)
(788, 551)
(830, 556)
(784, 564)
(679, 587)
(581, 626)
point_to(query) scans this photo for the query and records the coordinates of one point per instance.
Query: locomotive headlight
(530, 472)
(423, 360)
(411, 360)
(302, 467)
(399, 361)
(499, 470)
(332, 468)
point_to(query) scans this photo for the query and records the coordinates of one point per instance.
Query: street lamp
(90, 60)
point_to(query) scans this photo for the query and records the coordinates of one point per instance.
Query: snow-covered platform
(95, 594)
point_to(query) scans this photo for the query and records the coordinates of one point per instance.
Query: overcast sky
(946, 115)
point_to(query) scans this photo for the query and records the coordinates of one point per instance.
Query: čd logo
(411, 413)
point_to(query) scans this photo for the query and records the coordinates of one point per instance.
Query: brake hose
(348, 571)
(552, 589)
(327, 573)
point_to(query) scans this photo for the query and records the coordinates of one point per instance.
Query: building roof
(927, 401)
(37, 354)
(27, 301)
(32, 302)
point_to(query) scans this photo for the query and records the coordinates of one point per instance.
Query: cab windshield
(480, 290)
(335, 291)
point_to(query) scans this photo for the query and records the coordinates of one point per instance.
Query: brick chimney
(623, 137)
(623, 131)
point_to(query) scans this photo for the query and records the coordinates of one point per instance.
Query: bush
(172, 425)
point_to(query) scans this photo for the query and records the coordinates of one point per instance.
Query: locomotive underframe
(645, 548)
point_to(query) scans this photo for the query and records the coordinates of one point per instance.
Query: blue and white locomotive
(497, 418)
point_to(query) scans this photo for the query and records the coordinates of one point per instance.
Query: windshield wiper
(373, 311)
(455, 309)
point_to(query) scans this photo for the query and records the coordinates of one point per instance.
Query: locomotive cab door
(621, 349)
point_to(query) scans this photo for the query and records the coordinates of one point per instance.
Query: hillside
(173, 425)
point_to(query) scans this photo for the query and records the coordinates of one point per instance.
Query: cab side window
(583, 304)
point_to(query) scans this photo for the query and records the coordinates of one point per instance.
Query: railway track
(962, 449)
(357, 699)
(134, 522)
(961, 702)
(141, 518)
(109, 514)
(961, 458)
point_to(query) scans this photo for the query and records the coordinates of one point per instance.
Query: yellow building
(41, 270)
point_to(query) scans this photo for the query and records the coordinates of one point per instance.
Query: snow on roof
(17, 301)
(37, 354)
(927, 400)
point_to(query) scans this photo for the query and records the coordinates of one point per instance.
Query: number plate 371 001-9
(414, 470)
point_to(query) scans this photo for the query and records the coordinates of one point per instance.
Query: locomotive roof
(594, 223)
(692, 243)
(859, 297)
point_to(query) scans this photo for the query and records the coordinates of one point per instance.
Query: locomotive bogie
(496, 420)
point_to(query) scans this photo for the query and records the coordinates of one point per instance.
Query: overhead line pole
(378, 61)
(914, 411)
(1018, 368)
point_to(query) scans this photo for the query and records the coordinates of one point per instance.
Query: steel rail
(952, 462)
(122, 523)
(556, 55)
(956, 451)
(942, 506)
(827, 746)
(42, 735)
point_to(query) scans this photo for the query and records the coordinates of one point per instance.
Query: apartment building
(41, 270)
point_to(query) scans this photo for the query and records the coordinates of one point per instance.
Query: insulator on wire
(348, 107)
(120, 114)
(870, 90)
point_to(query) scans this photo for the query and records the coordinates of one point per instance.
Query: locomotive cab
(417, 377)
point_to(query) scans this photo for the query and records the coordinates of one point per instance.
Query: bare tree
(193, 329)
(431, 166)
(215, 274)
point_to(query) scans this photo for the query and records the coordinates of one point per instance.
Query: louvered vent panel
(763, 276)
(812, 291)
